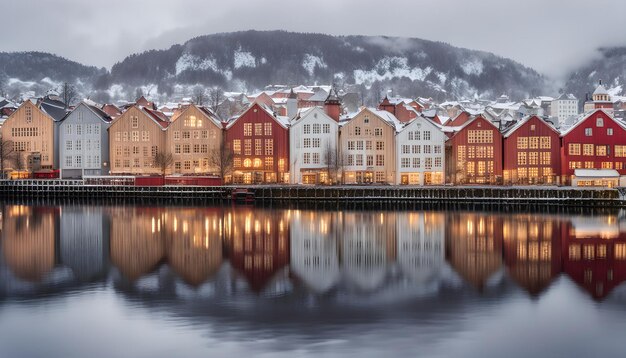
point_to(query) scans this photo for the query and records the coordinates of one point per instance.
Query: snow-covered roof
(568, 97)
(581, 118)
(519, 124)
(600, 90)
(596, 173)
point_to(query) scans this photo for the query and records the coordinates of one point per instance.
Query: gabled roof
(95, 110)
(519, 124)
(456, 130)
(583, 117)
(281, 120)
(308, 112)
(159, 118)
(417, 119)
(53, 107)
(564, 97)
(385, 116)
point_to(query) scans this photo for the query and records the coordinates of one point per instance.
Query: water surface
(133, 281)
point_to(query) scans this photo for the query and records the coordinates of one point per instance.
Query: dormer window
(599, 122)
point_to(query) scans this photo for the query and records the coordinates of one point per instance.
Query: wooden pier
(76, 190)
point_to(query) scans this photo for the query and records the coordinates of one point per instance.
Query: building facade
(32, 132)
(135, 139)
(596, 141)
(313, 148)
(259, 141)
(420, 153)
(367, 147)
(474, 153)
(563, 107)
(532, 153)
(194, 138)
(84, 142)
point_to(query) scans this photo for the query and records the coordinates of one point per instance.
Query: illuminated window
(545, 158)
(533, 172)
(258, 148)
(522, 143)
(521, 158)
(522, 173)
(589, 165)
(601, 150)
(607, 165)
(247, 163)
(258, 162)
(533, 158)
(258, 129)
(546, 143)
(269, 147)
(533, 143)
(267, 129)
(574, 149)
(247, 129)
(237, 146)
(588, 149)
(620, 151)
(247, 147)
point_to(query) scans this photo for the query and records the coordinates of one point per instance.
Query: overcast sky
(552, 36)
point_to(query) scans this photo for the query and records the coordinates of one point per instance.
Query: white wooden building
(313, 145)
(420, 153)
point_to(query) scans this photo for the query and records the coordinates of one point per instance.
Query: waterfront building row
(317, 145)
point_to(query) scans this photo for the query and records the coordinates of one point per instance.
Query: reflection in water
(320, 251)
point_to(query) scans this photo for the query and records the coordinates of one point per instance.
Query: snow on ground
(615, 91)
(390, 67)
(17, 81)
(310, 62)
(473, 67)
(243, 59)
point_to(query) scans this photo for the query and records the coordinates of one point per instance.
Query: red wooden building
(596, 141)
(474, 153)
(532, 153)
(594, 254)
(260, 143)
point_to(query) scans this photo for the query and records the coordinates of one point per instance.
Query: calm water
(82, 281)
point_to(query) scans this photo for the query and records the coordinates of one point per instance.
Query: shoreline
(490, 196)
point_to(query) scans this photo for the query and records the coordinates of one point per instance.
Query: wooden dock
(76, 190)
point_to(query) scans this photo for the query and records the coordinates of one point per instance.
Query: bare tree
(163, 160)
(18, 162)
(216, 96)
(332, 162)
(68, 93)
(222, 158)
(199, 95)
(7, 152)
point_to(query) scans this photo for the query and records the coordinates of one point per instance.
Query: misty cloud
(551, 36)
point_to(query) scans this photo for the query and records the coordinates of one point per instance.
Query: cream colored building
(135, 138)
(192, 138)
(32, 132)
(367, 147)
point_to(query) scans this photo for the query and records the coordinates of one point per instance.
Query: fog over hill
(250, 60)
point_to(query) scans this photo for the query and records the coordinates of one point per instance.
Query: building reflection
(84, 237)
(368, 246)
(29, 240)
(324, 251)
(314, 249)
(474, 245)
(194, 243)
(532, 250)
(421, 240)
(594, 253)
(258, 243)
(137, 239)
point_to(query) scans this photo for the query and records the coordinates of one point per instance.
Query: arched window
(247, 163)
